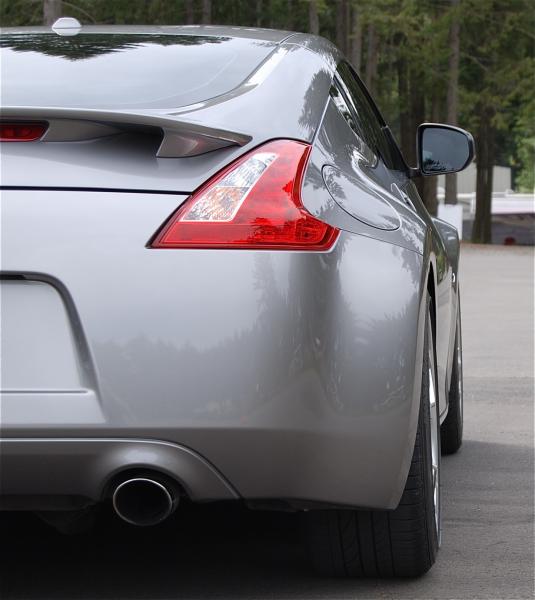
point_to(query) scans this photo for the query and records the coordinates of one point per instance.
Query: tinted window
(339, 99)
(123, 70)
(365, 115)
(343, 106)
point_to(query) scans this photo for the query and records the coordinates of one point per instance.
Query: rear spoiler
(181, 137)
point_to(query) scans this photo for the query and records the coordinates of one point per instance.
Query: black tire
(451, 432)
(399, 543)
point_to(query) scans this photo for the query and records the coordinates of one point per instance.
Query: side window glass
(365, 114)
(341, 102)
(342, 106)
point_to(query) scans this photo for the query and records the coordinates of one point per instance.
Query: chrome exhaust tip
(143, 501)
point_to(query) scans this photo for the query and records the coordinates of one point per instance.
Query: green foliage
(522, 157)
(498, 73)
(497, 63)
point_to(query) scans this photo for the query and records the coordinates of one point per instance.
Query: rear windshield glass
(123, 70)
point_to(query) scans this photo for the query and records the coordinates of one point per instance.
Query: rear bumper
(302, 446)
(294, 375)
(331, 465)
(73, 473)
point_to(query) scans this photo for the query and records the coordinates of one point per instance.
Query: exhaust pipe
(143, 501)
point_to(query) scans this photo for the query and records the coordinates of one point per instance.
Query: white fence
(514, 215)
(503, 203)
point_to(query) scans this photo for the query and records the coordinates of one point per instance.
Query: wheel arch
(431, 287)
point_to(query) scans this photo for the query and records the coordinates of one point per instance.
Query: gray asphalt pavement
(227, 552)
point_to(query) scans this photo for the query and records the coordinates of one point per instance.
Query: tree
(190, 13)
(453, 92)
(496, 79)
(259, 13)
(341, 36)
(290, 25)
(51, 11)
(313, 19)
(522, 153)
(206, 12)
(485, 137)
(371, 58)
(356, 39)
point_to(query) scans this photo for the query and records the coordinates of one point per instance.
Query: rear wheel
(451, 431)
(403, 542)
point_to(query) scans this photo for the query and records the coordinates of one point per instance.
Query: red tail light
(254, 203)
(21, 132)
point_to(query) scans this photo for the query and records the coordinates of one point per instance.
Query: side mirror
(443, 149)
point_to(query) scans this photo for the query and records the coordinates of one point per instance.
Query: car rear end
(170, 310)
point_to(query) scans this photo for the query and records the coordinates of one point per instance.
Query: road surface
(228, 553)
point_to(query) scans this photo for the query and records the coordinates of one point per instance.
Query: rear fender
(450, 238)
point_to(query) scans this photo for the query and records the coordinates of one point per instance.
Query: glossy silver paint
(263, 375)
(47, 472)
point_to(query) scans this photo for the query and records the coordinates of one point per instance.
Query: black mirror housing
(443, 149)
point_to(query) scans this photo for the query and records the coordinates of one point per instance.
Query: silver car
(219, 283)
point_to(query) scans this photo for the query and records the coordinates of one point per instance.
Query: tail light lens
(21, 132)
(254, 203)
